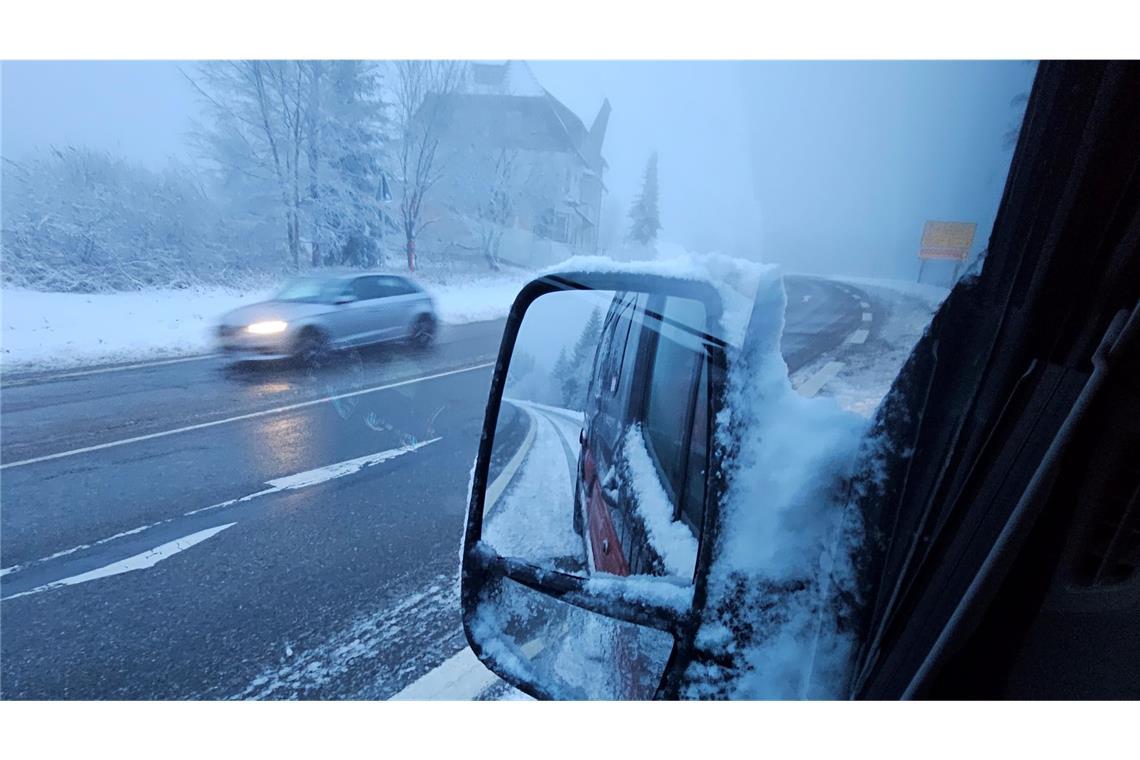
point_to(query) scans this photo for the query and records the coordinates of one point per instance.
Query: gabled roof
(504, 103)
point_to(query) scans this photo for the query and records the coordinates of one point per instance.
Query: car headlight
(267, 328)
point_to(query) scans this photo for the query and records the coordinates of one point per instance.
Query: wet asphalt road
(307, 582)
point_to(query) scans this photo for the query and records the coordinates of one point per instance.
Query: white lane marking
(461, 676)
(290, 482)
(815, 383)
(495, 490)
(807, 298)
(52, 377)
(238, 418)
(866, 316)
(147, 559)
(864, 304)
(340, 469)
(859, 336)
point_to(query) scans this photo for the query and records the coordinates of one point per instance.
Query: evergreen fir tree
(644, 217)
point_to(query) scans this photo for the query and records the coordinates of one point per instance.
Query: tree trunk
(411, 248)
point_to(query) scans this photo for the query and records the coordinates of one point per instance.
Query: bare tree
(308, 133)
(422, 99)
(259, 110)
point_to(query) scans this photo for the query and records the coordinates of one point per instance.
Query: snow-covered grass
(40, 330)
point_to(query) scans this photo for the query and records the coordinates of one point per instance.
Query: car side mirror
(344, 298)
(592, 508)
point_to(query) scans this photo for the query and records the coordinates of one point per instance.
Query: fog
(821, 167)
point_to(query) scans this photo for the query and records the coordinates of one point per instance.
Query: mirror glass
(601, 448)
(572, 653)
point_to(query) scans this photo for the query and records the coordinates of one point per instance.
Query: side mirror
(344, 298)
(592, 509)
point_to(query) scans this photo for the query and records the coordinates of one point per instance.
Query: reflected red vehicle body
(646, 376)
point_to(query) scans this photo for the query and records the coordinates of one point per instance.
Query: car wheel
(423, 331)
(312, 348)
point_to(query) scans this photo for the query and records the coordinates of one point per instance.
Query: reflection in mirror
(573, 653)
(601, 448)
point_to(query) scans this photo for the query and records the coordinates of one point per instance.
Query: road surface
(190, 530)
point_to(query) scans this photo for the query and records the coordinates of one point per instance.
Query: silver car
(315, 315)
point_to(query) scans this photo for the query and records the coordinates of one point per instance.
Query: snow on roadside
(902, 310)
(479, 300)
(54, 330)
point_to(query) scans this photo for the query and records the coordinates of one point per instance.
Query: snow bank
(931, 295)
(903, 312)
(68, 329)
(478, 300)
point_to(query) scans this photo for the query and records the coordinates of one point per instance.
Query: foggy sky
(821, 167)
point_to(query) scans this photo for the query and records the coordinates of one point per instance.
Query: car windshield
(209, 496)
(311, 289)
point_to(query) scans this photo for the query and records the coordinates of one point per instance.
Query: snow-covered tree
(422, 103)
(298, 142)
(82, 220)
(645, 221)
(574, 374)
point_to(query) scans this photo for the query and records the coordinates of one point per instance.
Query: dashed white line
(461, 676)
(822, 377)
(142, 561)
(288, 483)
(239, 417)
(859, 336)
(866, 316)
(864, 304)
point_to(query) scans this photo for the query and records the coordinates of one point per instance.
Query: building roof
(505, 104)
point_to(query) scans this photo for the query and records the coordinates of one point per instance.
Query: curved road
(188, 530)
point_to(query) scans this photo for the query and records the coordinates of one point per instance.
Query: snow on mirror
(601, 448)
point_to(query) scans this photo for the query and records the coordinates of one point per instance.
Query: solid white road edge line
(287, 483)
(147, 559)
(53, 376)
(495, 490)
(247, 416)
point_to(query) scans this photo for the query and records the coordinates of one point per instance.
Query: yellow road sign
(947, 240)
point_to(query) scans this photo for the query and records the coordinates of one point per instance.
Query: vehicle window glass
(693, 506)
(367, 288)
(674, 365)
(313, 289)
(392, 286)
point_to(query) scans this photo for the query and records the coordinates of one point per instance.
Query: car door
(356, 321)
(395, 303)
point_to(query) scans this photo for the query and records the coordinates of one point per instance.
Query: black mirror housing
(660, 604)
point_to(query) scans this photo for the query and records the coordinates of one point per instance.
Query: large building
(512, 156)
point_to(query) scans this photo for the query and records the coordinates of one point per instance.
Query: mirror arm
(669, 613)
